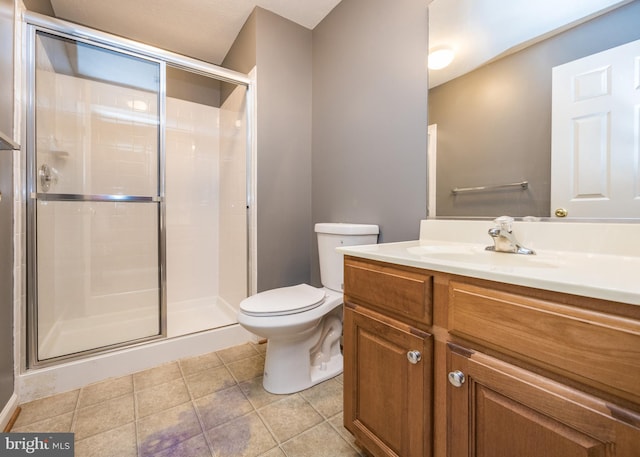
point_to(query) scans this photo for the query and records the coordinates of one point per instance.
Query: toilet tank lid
(340, 228)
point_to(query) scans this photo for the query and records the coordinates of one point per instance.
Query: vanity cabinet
(506, 370)
(388, 360)
(502, 410)
(583, 360)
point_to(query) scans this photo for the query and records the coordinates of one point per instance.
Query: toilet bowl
(302, 323)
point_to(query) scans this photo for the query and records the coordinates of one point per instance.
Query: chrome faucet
(503, 238)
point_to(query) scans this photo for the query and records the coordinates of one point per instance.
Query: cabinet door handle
(414, 356)
(456, 378)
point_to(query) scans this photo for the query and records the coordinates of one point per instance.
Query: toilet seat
(283, 301)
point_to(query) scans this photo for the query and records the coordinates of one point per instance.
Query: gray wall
(6, 67)
(193, 87)
(370, 117)
(281, 51)
(6, 278)
(6, 204)
(364, 66)
(494, 124)
(242, 55)
(39, 6)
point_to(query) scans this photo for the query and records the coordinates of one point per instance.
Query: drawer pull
(456, 378)
(414, 356)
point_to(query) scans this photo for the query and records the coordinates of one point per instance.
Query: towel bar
(522, 185)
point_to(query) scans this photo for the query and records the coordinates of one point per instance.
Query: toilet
(303, 324)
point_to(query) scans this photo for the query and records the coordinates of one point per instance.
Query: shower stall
(137, 190)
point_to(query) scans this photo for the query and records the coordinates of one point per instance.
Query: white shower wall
(206, 262)
(233, 229)
(99, 286)
(97, 261)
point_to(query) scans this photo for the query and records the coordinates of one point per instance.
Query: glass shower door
(95, 198)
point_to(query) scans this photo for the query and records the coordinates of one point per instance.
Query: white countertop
(600, 273)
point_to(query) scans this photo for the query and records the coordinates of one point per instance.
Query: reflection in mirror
(494, 124)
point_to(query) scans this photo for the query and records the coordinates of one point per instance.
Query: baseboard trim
(9, 413)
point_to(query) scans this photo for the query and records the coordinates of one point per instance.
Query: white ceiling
(480, 30)
(203, 29)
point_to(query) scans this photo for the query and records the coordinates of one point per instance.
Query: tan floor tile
(248, 368)
(157, 375)
(289, 417)
(57, 424)
(236, 353)
(260, 347)
(337, 422)
(105, 390)
(325, 397)
(46, 408)
(193, 447)
(209, 381)
(104, 416)
(276, 452)
(222, 406)
(340, 378)
(320, 441)
(245, 436)
(200, 363)
(118, 442)
(167, 429)
(161, 397)
(256, 394)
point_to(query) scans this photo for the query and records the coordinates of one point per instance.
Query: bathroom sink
(452, 253)
(590, 259)
(477, 255)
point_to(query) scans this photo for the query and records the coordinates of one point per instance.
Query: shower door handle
(48, 176)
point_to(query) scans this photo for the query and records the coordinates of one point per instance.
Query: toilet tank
(335, 235)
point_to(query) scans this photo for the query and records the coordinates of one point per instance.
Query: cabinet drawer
(403, 292)
(596, 349)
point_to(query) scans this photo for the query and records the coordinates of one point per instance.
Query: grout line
(257, 410)
(74, 418)
(196, 410)
(135, 431)
(353, 446)
(268, 427)
(327, 418)
(135, 413)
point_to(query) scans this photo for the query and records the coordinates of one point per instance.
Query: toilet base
(292, 366)
(285, 375)
(329, 370)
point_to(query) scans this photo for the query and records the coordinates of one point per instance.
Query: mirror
(492, 107)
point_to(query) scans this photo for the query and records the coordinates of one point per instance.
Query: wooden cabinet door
(387, 397)
(503, 411)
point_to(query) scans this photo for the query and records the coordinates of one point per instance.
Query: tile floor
(212, 405)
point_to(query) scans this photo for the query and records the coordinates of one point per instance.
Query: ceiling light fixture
(440, 57)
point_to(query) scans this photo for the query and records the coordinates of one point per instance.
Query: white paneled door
(595, 165)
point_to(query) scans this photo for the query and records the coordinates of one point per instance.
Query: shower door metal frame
(33, 197)
(36, 22)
